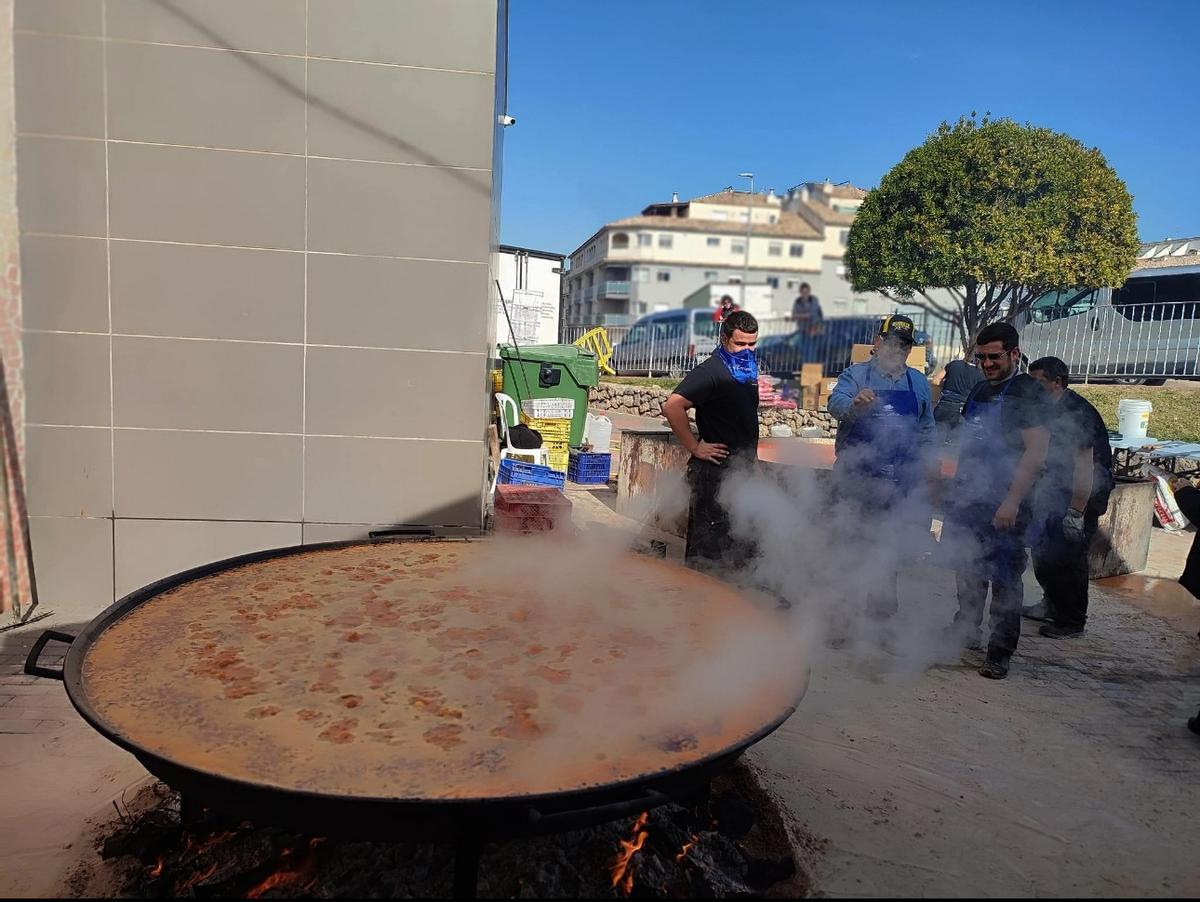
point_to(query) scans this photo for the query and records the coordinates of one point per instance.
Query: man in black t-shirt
(959, 377)
(1070, 497)
(724, 391)
(1002, 451)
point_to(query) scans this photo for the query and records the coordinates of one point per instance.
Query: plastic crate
(551, 429)
(560, 459)
(497, 380)
(553, 408)
(515, 472)
(589, 467)
(530, 508)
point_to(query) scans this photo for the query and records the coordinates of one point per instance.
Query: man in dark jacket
(1187, 496)
(1070, 497)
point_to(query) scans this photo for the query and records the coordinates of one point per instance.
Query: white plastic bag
(1170, 517)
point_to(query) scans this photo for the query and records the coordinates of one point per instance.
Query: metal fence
(672, 346)
(1149, 342)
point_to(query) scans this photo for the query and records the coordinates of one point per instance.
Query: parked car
(1145, 332)
(831, 346)
(665, 342)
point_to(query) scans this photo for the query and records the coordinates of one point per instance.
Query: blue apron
(880, 448)
(993, 463)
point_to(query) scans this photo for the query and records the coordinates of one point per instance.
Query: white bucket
(598, 432)
(1133, 418)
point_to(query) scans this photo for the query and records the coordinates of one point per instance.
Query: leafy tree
(997, 214)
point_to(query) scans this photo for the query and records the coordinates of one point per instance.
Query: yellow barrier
(596, 341)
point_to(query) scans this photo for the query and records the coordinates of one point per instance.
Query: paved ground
(1073, 776)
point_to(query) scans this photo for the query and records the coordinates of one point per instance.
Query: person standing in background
(724, 391)
(988, 511)
(806, 311)
(727, 307)
(959, 377)
(1070, 497)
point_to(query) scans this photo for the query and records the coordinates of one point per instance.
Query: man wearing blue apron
(886, 436)
(1003, 447)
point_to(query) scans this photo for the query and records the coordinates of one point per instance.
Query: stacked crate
(551, 417)
(530, 508)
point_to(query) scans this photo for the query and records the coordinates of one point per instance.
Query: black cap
(898, 326)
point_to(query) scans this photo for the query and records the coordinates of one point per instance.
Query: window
(1159, 298)
(773, 281)
(710, 275)
(792, 283)
(641, 274)
(713, 242)
(620, 241)
(737, 247)
(666, 240)
(772, 218)
(796, 250)
(744, 215)
(645, 239)
(1055, 305)
(663, 276)
(845, 236)
(775, 249)
(720, 215)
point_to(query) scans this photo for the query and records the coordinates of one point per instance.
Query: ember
(296, 875)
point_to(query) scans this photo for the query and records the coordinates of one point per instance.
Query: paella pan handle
(600, 813)
(31, 662)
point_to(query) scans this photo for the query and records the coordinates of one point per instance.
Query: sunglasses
(999, 355)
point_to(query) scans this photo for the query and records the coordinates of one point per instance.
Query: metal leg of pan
(466, 868)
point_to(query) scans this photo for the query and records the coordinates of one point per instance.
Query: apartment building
(652, 261)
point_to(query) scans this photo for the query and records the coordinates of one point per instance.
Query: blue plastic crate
(516, 472)
(589, 467)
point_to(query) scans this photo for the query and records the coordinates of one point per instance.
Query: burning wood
(622, 867)
(687, 847)
(299, 875)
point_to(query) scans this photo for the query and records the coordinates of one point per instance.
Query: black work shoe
(1036, 611)
(994, 668)
(1054, 631)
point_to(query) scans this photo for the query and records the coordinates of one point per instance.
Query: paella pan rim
(73, 681)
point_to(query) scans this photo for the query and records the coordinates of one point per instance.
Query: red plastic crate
(530, 508)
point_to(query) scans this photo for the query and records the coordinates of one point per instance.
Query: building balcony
(613, 290)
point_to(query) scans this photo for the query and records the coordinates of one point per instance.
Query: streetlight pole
(749, 218)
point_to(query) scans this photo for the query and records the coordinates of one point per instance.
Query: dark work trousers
(989, 557)
(1061, 566)
(709, 542)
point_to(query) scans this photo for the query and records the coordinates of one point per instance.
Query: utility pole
(749, 218)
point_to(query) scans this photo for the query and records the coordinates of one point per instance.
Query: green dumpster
(551, 371)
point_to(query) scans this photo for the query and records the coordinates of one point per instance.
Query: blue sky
(619, 103)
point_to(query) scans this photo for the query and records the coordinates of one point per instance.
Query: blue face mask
(743, 365)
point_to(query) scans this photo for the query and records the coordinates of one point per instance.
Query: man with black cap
(988, 512)
(885, 437)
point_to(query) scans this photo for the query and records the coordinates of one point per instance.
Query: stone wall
(647, 401)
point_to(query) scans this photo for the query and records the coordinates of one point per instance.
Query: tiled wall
(255, 238)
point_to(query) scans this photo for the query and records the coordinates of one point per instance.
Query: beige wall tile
(64, 284)
(206, 196)
(404, 115)
(73, 562)
(168, 383)
(207, 98)
(445, 34)
(68, 471)
(396, 393)
(148, 550)
(59, 16)
(66, 379)
(380, 302)
(207, 475)
(354, 480)
(274, 26)
(207, 292)
(60, 186)
(59, 85)
(399, 211)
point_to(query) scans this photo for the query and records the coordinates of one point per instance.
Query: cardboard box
(812, 373)
(916, 357)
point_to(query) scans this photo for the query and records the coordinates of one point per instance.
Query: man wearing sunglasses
(1003, 447)
(885, 439)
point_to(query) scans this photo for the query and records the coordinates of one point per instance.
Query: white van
(1145, 332)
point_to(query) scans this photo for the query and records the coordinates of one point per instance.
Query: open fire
(731, 843)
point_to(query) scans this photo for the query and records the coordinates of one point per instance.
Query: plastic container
(1133, 418)
(597, 432)
(551, 408)
(589, 467)
(514, 472)
(550, 429)
(497, 380)
(552, 372)
(530, 508)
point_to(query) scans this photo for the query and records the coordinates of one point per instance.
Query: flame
(687, 847)
(157, 870)
(302, 872)
(622, 871)
(195, 878)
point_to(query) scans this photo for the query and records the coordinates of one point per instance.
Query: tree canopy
(997, 214)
